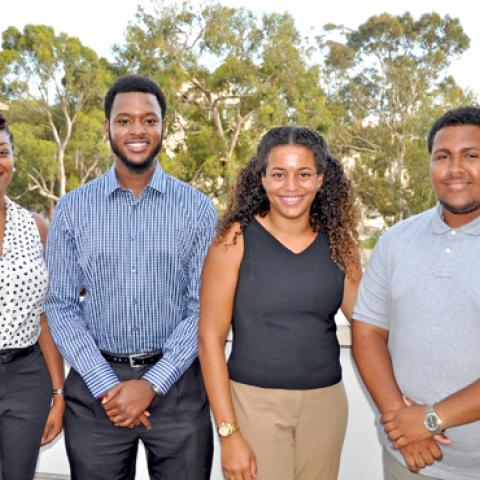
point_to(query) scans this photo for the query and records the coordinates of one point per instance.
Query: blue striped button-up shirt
(138, 261)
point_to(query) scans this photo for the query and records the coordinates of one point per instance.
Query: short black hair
(134, 83)
(459, 116)
(4, 128)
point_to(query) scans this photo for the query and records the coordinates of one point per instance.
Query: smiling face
(455, 172)
(135, 130)
(6, 161)
(291, 180)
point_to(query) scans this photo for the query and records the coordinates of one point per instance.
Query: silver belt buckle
(132, 358)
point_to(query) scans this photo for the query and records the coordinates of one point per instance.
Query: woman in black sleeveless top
(284, 261)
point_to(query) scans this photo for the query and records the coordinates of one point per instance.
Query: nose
(457, 163)
(291, 182)
(137, 127)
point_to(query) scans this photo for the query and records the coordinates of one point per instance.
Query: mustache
(452, 177)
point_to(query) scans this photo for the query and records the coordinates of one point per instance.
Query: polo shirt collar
(157, 182)
(439, 226)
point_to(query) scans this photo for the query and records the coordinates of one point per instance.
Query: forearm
(51, 355)
(216, 378)
(460, 408)
(375, 366)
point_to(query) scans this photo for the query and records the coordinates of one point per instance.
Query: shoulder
(86, 191)
(228, 244)
(187, 193)
(405, 230)
(191, 204)
(42, 226)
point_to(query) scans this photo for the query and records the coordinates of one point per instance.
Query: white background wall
(361, 457)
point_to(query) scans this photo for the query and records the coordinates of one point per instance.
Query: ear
(320, 180)
(106, 129)
(264, 181)
(164, 127)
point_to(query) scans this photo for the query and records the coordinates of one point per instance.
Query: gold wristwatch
(227, 429)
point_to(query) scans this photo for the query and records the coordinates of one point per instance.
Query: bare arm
(350, 288)
(53, 360)
(219, 281)
(460, 408)
(370, 351)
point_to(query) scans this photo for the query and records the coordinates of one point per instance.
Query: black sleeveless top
(283, 317)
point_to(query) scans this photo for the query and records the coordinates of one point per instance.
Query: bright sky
(101, 23)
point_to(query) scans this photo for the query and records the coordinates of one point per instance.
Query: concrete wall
(361, 458)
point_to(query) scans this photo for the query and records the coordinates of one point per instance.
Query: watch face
(224, 430)
(432, 421)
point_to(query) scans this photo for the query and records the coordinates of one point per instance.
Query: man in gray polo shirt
(416, 333)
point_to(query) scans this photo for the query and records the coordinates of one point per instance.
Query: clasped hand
(406, 430)
(126, 404)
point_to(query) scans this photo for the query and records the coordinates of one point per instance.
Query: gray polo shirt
(422, 284)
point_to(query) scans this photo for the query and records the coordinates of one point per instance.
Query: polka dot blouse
(23, 279)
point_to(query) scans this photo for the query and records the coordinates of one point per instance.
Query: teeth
(291, 200)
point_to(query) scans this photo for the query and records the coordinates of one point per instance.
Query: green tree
(228, 76)
(388, 84)
(59, 77)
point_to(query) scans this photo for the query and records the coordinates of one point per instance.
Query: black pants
(25, 395)
(179, 445)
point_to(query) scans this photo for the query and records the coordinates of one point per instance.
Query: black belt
(11, 354)
(134, 360)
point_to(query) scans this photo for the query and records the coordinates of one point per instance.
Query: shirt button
(133, 236)
(448, 250)
(134, 301)
(454, 232)
(134, 270)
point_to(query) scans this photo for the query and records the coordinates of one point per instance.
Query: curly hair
(333, 209)
(4, 128)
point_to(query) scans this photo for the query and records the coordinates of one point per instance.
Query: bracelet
(57, 391)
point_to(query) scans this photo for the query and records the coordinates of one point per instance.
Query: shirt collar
(439, 226)
(157, 182)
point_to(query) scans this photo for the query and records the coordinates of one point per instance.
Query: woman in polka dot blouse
(31, 369)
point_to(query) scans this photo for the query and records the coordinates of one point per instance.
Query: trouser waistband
(12, 354)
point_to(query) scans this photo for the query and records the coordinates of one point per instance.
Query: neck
(456, 220)
(136, 182)
(288, 226)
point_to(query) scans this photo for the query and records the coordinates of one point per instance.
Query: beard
(136, 168)
(468, 208)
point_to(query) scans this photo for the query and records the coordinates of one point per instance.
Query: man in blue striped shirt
(132, 242)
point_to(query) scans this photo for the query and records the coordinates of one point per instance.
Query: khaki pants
(393, 470)
(295, 434)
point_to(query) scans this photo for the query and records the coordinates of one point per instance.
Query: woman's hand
(238, 459)
(54, 423)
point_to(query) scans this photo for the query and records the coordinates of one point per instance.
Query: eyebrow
(4, 143)
(464, 149)
(130, 114)
(301, 168)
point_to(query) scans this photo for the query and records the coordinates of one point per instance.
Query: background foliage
(229, 76)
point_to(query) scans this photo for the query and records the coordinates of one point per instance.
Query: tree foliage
(57, 78)
(389, 83)
(229, 75)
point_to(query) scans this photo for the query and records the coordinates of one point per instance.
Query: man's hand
(420, 454)
(126, 404)
(405, 425)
